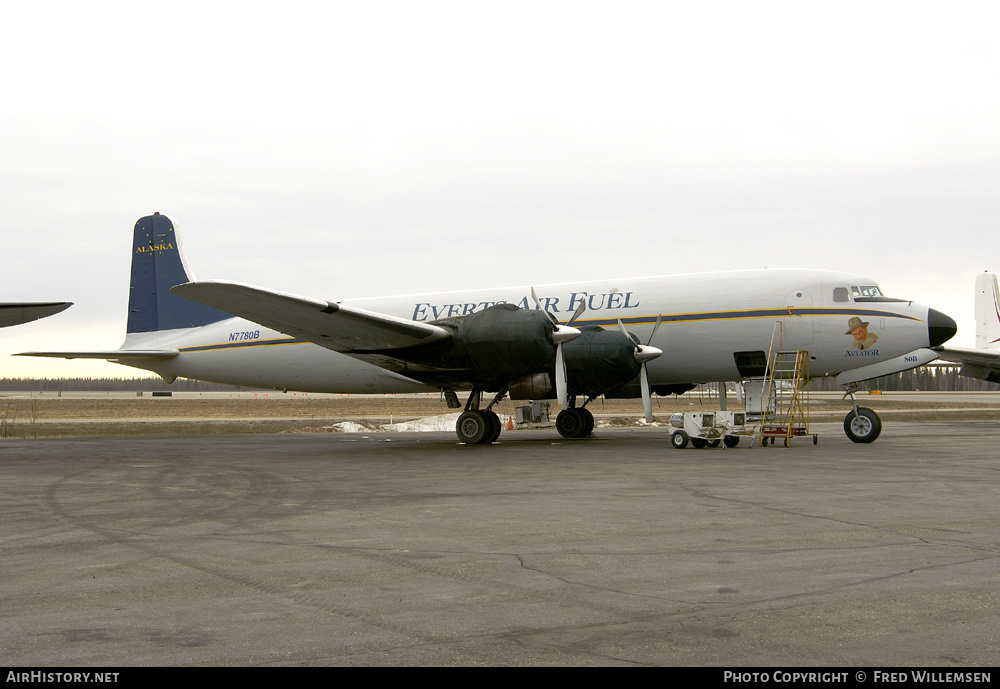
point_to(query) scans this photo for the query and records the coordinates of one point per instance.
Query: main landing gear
(575, 422)
(479, 426)
(861, 425)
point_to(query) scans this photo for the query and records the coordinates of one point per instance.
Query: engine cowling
(600, 360)
(597, 362)
(504, 343)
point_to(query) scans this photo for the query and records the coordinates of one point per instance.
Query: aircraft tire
(571, 423)
(493, 421)
(864, 427)
(679, 440)
(588, 423)
(472, 427)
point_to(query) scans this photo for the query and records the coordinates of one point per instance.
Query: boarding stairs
(785, 388)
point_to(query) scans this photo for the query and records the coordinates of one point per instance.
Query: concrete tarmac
(410, 549)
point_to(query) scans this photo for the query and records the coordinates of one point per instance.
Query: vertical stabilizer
(157, 265)
(987, 311)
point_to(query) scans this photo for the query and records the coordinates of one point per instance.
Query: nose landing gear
(861, 425)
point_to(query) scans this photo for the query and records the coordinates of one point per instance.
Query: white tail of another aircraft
(987, 312)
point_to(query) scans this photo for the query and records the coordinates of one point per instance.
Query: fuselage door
(797, 324)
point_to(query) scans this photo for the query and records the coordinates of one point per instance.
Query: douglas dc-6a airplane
(569, 342)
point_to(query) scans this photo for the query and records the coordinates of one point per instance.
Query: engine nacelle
(599, 361)
(537, 386)
(504, 343)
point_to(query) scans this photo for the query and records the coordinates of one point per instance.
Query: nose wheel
(862, 425)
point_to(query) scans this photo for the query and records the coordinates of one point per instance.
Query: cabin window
(841, 294)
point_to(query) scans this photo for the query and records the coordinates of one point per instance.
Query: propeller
(561, 335)
(644, 353)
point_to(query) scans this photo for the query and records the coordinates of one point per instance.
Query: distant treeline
(113, 385)
(929, 378)
(932, 378)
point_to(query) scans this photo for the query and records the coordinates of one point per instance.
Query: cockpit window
(866, 291)
(841, 294)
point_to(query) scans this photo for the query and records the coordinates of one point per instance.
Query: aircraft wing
(983, 364)
(341, 328)
(23, 312)
(120, 355)
(958, 355)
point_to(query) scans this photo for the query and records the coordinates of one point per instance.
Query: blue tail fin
(157, 266)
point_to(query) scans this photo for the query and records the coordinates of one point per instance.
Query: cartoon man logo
(859, 329)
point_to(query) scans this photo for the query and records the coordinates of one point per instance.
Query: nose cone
(940, 328)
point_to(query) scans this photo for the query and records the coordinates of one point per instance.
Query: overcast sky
(347, 149)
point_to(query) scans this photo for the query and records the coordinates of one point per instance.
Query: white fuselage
(706, 319)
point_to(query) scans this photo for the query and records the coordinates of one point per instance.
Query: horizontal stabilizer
(23, 312)
(334, 326)
(918, 357)
(123, 356)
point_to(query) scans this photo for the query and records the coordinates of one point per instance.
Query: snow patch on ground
(445, 422)
(348, 427)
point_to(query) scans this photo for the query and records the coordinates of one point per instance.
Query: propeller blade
(576, 314)
(538, 303)
(644, 353)
(562, 392)
(626, 333)
(656, 326)
(647, 399)
(561, 335)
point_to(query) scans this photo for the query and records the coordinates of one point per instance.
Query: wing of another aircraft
(340, 328)
(983, 364)
(23, 312)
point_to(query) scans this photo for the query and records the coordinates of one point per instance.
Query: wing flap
(341, 328)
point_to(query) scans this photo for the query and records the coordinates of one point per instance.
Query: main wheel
(679, 440)
(495, 426)
(571, 423)
(472, 427)
(863, 427)
(588, 422)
